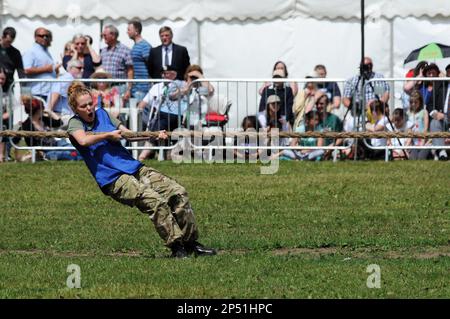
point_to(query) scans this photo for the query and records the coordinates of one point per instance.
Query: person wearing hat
(103, 90)
(272, 116)
(280, 65)
(163, 102)
(273, 120)
(283, 92)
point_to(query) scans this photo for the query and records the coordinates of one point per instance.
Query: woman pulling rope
(127, 180)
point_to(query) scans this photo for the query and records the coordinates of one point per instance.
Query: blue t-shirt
(139, 54)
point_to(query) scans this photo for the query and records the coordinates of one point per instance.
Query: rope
(332, 135)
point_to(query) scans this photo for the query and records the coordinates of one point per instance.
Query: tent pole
(101, 31)
(362, 35)
(199, 45)
(361, 73)
(1, 14)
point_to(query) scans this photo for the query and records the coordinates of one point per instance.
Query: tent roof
(227, 10)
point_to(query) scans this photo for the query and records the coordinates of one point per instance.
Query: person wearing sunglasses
(39, 64)
(58, 101)
(82, 50)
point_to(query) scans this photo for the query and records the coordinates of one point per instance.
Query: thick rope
(332, 135)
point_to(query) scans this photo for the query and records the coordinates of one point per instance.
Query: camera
(366, 69)
(193, 77)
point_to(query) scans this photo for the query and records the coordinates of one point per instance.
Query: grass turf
(310, 230)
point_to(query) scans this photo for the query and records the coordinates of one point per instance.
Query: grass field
(309, 231)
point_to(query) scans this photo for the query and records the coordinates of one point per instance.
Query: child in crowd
(419, 117)
(311, 124)
(399, 124)
(249, 124)
(378, 122)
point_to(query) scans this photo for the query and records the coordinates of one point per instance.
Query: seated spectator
(331, 89)
(249, 124)
(4, 124)
(420, 121)
(399, 124)
(102, 91)
(280, 65)
(165, 108)
(304, 102)
(274, 120)
(328, 121)
(44, 120)
(81, 49)
(285, 94)
(197, 96)
(378, 124)
(58, 101)
(311, 124)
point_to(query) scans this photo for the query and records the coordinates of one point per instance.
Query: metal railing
(427, 107)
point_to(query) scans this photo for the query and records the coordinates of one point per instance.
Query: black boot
(178, 251)
(199, 250)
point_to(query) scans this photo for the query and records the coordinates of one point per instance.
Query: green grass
(308, 231)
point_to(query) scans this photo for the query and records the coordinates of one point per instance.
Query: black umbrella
(430, 52)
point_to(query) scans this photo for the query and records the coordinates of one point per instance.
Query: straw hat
(101, 73)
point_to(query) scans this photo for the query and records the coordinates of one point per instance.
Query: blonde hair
(75, 90)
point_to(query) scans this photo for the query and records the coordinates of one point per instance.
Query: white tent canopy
(213, 10)
(243, 39)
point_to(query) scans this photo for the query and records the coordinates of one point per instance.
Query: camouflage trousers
(162, 198)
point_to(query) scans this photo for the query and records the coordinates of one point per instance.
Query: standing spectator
(5, 119)
(280, 65)
(10, 58)
(116, 59)
(168, 53)
(58, 101)
(139, 53)
(283, 92)
(411, 85)
(373, 91)
(39, 64)
(82, 51)
(331, 89)
(436, 98)
(420, 120)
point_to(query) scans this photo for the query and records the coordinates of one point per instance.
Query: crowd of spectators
(182, 99)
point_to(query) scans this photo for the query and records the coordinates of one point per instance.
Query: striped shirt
(139, 54)
(116, 60)
(380, 87)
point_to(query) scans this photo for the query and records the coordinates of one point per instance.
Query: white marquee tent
(243, 39)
